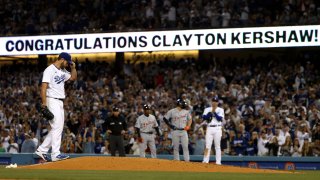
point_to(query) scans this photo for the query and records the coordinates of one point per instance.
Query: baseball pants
(116, 143)
(148, 140)
(177, 137)
(53, 139)
(213, 134)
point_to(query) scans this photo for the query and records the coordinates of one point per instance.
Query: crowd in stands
(79, 16)
(271, 104)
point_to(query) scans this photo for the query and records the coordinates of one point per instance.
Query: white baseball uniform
(55, 94)
(179, 119)
(146, 124)
(214, 132)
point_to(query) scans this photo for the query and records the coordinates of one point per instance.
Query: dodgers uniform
(213, 133)
(55, 94)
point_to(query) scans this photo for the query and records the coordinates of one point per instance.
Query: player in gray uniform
(145, 125)
(179, 120)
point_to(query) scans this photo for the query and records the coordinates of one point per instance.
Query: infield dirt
(142, 164)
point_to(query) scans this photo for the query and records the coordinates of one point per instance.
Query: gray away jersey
(178, 118)
(146, 124)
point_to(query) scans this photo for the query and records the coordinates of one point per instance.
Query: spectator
(296, 152)
(89, 141)
(262, 142)
(306, 148)
(316, 132)
(98, 145)
(28, 145)
(4, 138)
(13, 147)
(252, 145)
(2, 149)
(105, 148)
(239, 144)
(78, 144)
(199, 144)
(286, 148)
(165, 147)
(316, 148)
(68, 145)
(135, 147)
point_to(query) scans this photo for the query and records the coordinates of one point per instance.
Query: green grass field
(133, 175)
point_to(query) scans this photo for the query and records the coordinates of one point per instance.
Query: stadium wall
(283, 163)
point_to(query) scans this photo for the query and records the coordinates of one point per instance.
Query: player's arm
(158, 131)
(138, 132)
(207, 116)
(73, 72)
(189, 122)
(167, 120)
(137, 127)
(219, 115)
(43, 93)
(156, 127)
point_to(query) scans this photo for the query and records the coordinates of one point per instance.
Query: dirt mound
(141, 164)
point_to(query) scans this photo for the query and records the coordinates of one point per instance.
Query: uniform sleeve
(137, 125)
(168, 115)
(46, 75)
(155, 122)
(221, 113)
(205, 112)
(189, 116)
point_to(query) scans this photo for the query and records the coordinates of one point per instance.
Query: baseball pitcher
(179, 120)
(52, 96)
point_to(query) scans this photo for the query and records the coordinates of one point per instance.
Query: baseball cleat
(60, 157)
(42, 155)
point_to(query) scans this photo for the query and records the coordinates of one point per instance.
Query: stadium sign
(232, 38)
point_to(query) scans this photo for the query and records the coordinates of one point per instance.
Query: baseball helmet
(182, 103)
(115, 109)
(146, 107)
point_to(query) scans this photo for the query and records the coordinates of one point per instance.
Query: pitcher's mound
(141, 164)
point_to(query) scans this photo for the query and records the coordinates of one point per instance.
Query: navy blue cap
(66, 56)
(215, 99)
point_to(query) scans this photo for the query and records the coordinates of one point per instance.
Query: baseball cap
(215, 99)
(66, 56)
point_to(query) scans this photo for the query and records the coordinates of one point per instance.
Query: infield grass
(134, 175)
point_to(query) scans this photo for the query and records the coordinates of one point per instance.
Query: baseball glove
(187, 128)
(47, 113)
(207, 117)
(140, 140)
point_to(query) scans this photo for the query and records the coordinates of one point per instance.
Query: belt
(147, 132)
(179, 129)
(214, 125)
(57, 98)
